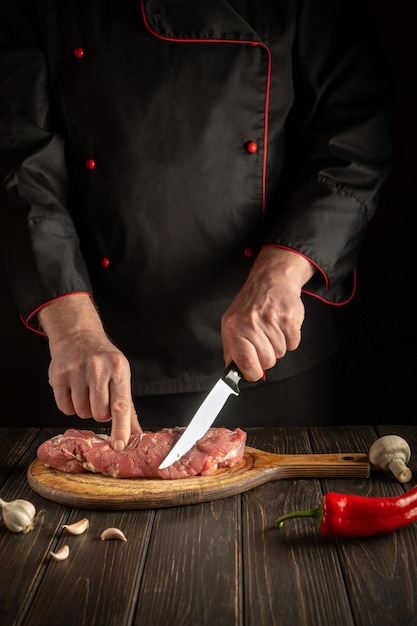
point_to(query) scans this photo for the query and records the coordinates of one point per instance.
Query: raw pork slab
(77, 451)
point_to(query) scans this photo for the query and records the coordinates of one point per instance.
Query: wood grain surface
(221, 562)
(96, 491)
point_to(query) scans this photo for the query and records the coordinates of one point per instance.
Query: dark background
(375, 374)
(375, 367)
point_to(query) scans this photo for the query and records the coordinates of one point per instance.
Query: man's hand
(88, 374)
(265, 318)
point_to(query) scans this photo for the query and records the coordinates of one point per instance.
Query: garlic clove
(78, 528)
(113, 533)
(61, 554)
(18, 515)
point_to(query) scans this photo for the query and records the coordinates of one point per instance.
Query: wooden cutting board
(96, 491)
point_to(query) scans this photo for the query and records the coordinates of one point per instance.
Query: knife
(211, 406)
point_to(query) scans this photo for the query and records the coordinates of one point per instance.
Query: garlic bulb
(18, 515)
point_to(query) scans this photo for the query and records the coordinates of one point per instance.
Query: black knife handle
(232, 376)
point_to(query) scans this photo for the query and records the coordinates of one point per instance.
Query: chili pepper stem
(316, 513)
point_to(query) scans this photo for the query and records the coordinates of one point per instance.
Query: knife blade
(205, 415)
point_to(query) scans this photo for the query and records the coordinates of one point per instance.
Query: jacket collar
(196, 20)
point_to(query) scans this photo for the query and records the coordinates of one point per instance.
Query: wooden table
(220, 562)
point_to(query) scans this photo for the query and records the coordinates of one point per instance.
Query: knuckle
(269, 362)
(247, 362)
(120, 366)
(280, 351)
(65, 407)
(293, 344)
(119, 405)
(95, 365)
(227, 327)
(271, 317)
(101, 415)
(251, 368)
(62, 372)
(82, 411)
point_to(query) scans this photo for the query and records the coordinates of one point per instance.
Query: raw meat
(77, 451)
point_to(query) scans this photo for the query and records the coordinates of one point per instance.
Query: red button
(90, 164)
(249, 252)
(105, 262)
(252, 147)
(79, 53)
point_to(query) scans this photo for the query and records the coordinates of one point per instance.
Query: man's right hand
(89, 376)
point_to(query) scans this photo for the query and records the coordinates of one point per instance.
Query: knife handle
(232, 376)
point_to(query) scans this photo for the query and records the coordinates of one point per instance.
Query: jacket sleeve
(340, 140)
(39, 244)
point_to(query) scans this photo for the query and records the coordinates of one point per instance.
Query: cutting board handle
(312, 465)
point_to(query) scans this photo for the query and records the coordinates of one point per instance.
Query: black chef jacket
(148, 150)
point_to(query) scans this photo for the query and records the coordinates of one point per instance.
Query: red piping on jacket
(268, 83)
(325, 278)
(26, 321)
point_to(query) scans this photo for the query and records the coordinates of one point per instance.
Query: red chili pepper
(343, 515)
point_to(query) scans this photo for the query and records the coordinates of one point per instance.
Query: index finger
(121, 414)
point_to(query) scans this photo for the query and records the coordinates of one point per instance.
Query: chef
(184, 184)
